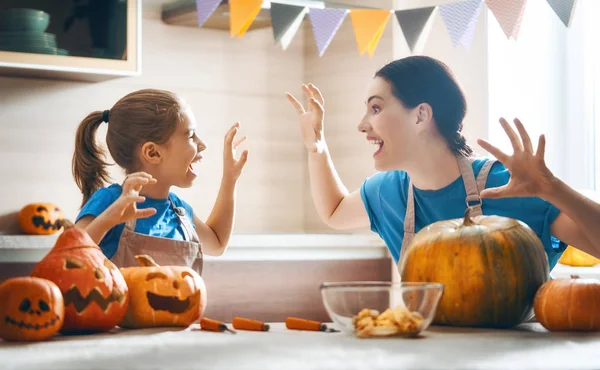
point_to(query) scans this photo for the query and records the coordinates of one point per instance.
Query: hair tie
(105, 116)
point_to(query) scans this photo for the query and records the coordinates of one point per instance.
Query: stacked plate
(23, 30)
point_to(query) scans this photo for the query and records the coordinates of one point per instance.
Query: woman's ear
(151, 153)
(424, 113)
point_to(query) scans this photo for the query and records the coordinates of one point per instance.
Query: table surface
(528, 346)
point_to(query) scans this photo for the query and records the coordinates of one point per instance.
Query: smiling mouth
(196, 160)
(379, 144)
(168, 303)
(24, 325)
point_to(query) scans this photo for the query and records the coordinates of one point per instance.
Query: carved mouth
(40, 221)
(167, 303)
(73, 296)
(25, 325)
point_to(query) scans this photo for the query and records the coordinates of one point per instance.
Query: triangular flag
(412, 22)
(564, 9)
(286, 19)
(325, 24)
(368, 27)
(204, 9)
(242, 14)
(460, 19)
(509, 14)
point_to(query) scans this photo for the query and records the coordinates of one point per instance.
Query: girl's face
(181, 154)
(389, 126)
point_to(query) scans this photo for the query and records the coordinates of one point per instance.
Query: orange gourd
(94, 290)
(569, 304)
(491, 268)
(31, 309)
(163, 295)
(40, 219)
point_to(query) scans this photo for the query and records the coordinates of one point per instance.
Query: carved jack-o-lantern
(30, 309)
(40, 219)
(163, 295)
(94, 290)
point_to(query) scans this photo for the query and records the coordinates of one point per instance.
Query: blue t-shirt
(164, 223)
(385, 193)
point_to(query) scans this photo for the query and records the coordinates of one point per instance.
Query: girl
(415, 110)
(151, 134)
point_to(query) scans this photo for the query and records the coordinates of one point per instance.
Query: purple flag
(204, 9)
(325, 24)
(460, 19)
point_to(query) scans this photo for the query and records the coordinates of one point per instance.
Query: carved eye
(155, 275)
(72, 263)
(186, 274)
(41, 209)
(25, 305)
(44, 306)
(99, 275)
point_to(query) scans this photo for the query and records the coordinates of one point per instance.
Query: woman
(415, 110)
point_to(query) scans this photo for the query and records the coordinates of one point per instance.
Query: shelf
(81, 68)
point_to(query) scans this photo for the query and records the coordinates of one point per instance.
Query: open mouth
(196, 160)
(167, 303)
(40, 221)
(73, 296)
(377, 142)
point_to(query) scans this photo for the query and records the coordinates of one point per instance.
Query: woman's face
(390, 126)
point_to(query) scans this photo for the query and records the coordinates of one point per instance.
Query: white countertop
(528, 346)
(246, 247)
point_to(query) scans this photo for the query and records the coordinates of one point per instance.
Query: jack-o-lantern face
(94, 290)
(40, 218)
(163, 295)
(30, 309)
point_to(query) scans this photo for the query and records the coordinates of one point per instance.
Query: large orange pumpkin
(570, 304)
(40, 218)
(163, 295)
(491, 268)
(94, 290)
(30, 309)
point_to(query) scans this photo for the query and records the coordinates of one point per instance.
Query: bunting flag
(286, 19)
(412, 22)
(509, 14)
(325, 24)
(241, 15)
(368, 27)
(205, 8)
(460, 19)
(564, 9)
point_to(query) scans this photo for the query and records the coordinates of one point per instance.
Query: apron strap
(409, 217)
(473, 200)
(483, 174)
(186, 225)
(130, 225)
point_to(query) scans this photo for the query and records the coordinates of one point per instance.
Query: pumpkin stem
(467, 221)
(65, 223)
(146, 261)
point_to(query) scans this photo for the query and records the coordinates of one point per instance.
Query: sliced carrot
(213, 325)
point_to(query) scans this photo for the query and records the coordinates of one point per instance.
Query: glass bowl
(395, 309)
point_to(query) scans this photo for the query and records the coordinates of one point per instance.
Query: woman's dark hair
(421, 79)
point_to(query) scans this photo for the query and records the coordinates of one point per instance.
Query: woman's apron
(164, 251)
(472, 186)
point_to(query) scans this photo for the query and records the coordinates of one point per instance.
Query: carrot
(302, 324)
(247, 324)
(213, 325)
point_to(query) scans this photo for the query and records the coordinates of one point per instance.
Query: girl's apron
(164, 251)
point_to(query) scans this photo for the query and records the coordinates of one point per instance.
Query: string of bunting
(459, 17)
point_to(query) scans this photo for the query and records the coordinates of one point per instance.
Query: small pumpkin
(94, 290)
(163, 295)
(569, 304)
(31, 309)
(40, 218)
(491, 268)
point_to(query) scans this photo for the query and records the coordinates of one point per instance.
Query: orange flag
(368, 27)
(242, 14)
